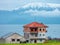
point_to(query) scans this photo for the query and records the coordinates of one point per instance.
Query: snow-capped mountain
(41, 12)
(40, 9)
(42, 6)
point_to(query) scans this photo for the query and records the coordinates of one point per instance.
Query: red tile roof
(35, 24)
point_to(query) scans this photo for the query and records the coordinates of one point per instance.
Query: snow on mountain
(38, 5)
(41, 12)
(41, 9)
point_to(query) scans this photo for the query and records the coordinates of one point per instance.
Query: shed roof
(10, 34)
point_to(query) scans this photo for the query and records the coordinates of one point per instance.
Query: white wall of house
(41, 35)
(38, 41)
(32, 41)
(14, 36)
(26, 35)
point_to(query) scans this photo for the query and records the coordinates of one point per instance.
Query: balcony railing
(37, 36)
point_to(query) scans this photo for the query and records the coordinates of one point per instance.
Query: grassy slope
(51, 42)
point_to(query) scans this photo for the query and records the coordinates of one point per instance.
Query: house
(14, 38)
(35, 32)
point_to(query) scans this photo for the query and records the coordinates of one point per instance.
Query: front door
(35, 41)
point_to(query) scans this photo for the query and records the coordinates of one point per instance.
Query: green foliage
(53, 41)
(34, 44)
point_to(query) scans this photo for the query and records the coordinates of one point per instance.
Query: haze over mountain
(41, 12)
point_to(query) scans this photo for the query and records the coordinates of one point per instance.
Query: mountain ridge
(22, 15)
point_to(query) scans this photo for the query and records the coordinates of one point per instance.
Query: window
(43, 34)
(13, 39)
(40, 39)
(35, 35)
(36, 29)
(40, 34)
(18, 39)
(27, 40)
(40, 29)
(43, 29)
(33, 28)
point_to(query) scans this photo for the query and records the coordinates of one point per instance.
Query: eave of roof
(35, 24)
(6, 36)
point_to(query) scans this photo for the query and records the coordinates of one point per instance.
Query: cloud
(41, 6)
(42, 9)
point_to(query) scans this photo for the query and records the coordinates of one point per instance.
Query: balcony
(33, 31)
(36, 36)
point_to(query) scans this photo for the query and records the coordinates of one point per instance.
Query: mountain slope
(40, 12)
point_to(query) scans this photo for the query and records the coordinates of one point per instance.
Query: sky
(17, 12)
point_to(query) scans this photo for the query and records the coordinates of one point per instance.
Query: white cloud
(32, 9)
